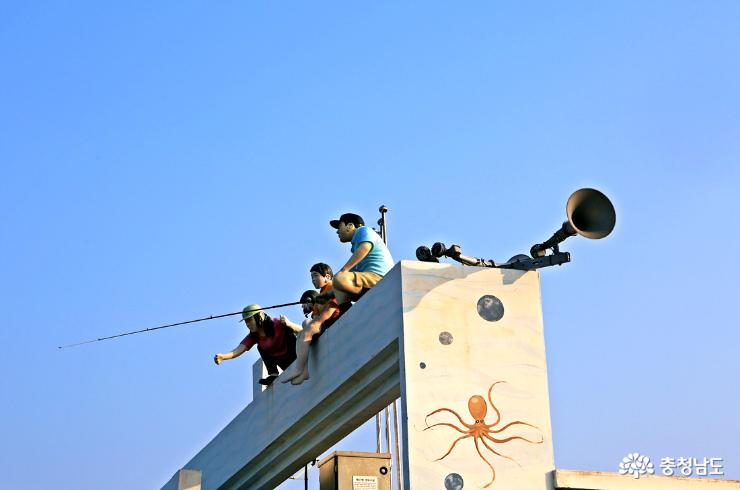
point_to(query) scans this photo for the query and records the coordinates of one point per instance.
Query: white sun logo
(636, 464)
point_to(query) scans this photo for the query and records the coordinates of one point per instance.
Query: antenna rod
(382, 222)
(384, 236)
(212, 317)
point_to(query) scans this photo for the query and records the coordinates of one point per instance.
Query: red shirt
(276, 346)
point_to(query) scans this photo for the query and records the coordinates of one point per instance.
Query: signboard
(364, 483)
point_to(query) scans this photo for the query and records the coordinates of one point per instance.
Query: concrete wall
(474, 379)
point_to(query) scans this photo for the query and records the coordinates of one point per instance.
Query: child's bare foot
(291, 373)
(303, 376)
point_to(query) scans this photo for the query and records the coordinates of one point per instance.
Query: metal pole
(387, 429)
(398, 445)
(396, 428)
(377, 432)
(383, 225)
(383, 232)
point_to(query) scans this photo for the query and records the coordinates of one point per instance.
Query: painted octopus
(480, 431)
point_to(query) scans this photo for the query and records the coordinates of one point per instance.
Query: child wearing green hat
(275, 341)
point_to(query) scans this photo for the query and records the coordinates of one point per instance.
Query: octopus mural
(488, 435)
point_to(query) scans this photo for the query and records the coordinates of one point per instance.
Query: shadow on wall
(427, 277)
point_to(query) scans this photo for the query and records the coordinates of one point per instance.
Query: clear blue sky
(169, 160)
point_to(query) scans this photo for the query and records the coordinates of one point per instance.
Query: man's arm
(315, 326)
(293, 326)
(241, 348)
(325, 314)
(360, 253)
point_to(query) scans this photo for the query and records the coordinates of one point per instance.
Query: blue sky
(171, 160)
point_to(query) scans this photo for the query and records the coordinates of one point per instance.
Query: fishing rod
(212, 317)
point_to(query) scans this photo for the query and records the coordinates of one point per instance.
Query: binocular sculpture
(589, 213)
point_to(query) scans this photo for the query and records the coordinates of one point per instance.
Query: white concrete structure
(463, 347)
(473, 347)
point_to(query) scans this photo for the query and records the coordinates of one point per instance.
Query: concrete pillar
(189, 480)
(185, 479)
(474, 379)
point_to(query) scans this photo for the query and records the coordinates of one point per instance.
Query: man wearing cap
(275, 342)
(369, 262)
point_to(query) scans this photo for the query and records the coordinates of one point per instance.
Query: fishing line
(212, 317)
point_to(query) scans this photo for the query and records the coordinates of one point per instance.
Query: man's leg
(298, 371)
(272, 370)
(310, 329)
(285, 364)
(349, 286)
(345, 287)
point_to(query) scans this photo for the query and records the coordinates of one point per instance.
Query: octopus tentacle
(496, 452)
(498, 414)
(493, 472)
(453, 446)
(449, 425)
(518, 422)
(515, 437)
(452, 412)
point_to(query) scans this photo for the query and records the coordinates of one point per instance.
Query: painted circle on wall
(490, 308)
(453, 481)
(445, 338)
